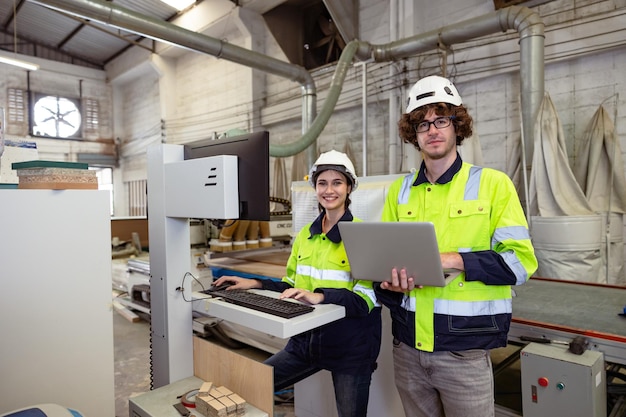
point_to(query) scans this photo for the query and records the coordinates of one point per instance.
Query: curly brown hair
(462, 121)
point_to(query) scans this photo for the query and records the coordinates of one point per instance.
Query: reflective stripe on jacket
(476, 212)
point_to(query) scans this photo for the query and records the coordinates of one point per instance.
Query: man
(442, 336)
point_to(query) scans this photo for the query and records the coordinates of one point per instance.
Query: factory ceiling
(31, 29)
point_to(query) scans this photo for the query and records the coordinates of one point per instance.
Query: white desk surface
(267, 323)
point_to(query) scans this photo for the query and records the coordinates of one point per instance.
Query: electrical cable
(217, 332)
(182, 286)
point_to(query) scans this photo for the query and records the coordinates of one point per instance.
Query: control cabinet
(556, 382)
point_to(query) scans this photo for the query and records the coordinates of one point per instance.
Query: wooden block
(216, 409)
(215, 393)
(210, 407)
(231, 407)
(240, 402)
(205, 389)
(202, 405)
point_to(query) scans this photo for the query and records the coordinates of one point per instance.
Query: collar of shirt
(445, 178)
(333, 235)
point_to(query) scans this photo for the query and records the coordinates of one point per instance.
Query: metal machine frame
(179, 189)
(170, 295)
(171, 317)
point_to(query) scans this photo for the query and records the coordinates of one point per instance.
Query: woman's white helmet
(433, 89)
(337, 161)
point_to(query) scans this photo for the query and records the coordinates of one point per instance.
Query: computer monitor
(253, 161)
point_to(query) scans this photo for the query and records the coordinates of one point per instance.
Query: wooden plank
(230, 369)
(126, 313)
(274, 257)
(57, 185)
(257, 268)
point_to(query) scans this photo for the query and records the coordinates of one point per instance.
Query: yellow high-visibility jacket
(477, 213)
(318, 262)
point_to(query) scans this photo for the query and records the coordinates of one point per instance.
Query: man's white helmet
(433, 89)
(337, 161)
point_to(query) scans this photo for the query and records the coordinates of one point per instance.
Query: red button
(543, 381)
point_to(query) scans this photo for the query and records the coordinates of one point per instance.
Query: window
(57, 117)
(16, 113)
(137, 192)
(105, 182)
(91, 112)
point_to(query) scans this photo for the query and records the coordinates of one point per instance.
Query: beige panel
(250, 379)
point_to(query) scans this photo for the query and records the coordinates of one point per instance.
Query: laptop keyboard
(263, 303)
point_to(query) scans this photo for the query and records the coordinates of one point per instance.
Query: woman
(318, 272)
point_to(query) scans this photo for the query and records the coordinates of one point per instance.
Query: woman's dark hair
(462, 121)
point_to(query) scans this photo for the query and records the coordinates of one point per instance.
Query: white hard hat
(337, 161)
(433, 89)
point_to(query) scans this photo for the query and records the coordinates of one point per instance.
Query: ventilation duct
(526, 22)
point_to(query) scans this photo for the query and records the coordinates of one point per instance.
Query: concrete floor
(132, 361)
(132, 365)
(132, 369)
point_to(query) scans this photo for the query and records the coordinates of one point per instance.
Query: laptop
(374, 248)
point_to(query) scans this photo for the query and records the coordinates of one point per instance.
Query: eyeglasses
(439, 122)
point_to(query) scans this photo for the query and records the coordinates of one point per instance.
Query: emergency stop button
(543, 381)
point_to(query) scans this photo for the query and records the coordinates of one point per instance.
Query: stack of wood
(219, 402)
(242, 235)
(54, 175)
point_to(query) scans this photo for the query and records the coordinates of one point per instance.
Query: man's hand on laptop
(399, 282)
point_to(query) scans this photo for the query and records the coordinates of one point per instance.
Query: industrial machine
(137, 285)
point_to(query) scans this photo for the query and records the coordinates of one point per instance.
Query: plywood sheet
(250, 379)
(123, 229)
(274, 257)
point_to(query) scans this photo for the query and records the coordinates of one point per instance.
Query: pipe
(394, 139)
(110, 14)
(525, 21)
(531, 30)
(364, 121)
(343, 65)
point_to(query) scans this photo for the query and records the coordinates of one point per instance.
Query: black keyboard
(266, 304)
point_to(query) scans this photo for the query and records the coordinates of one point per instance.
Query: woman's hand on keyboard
(303, 295)
(237, 283)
